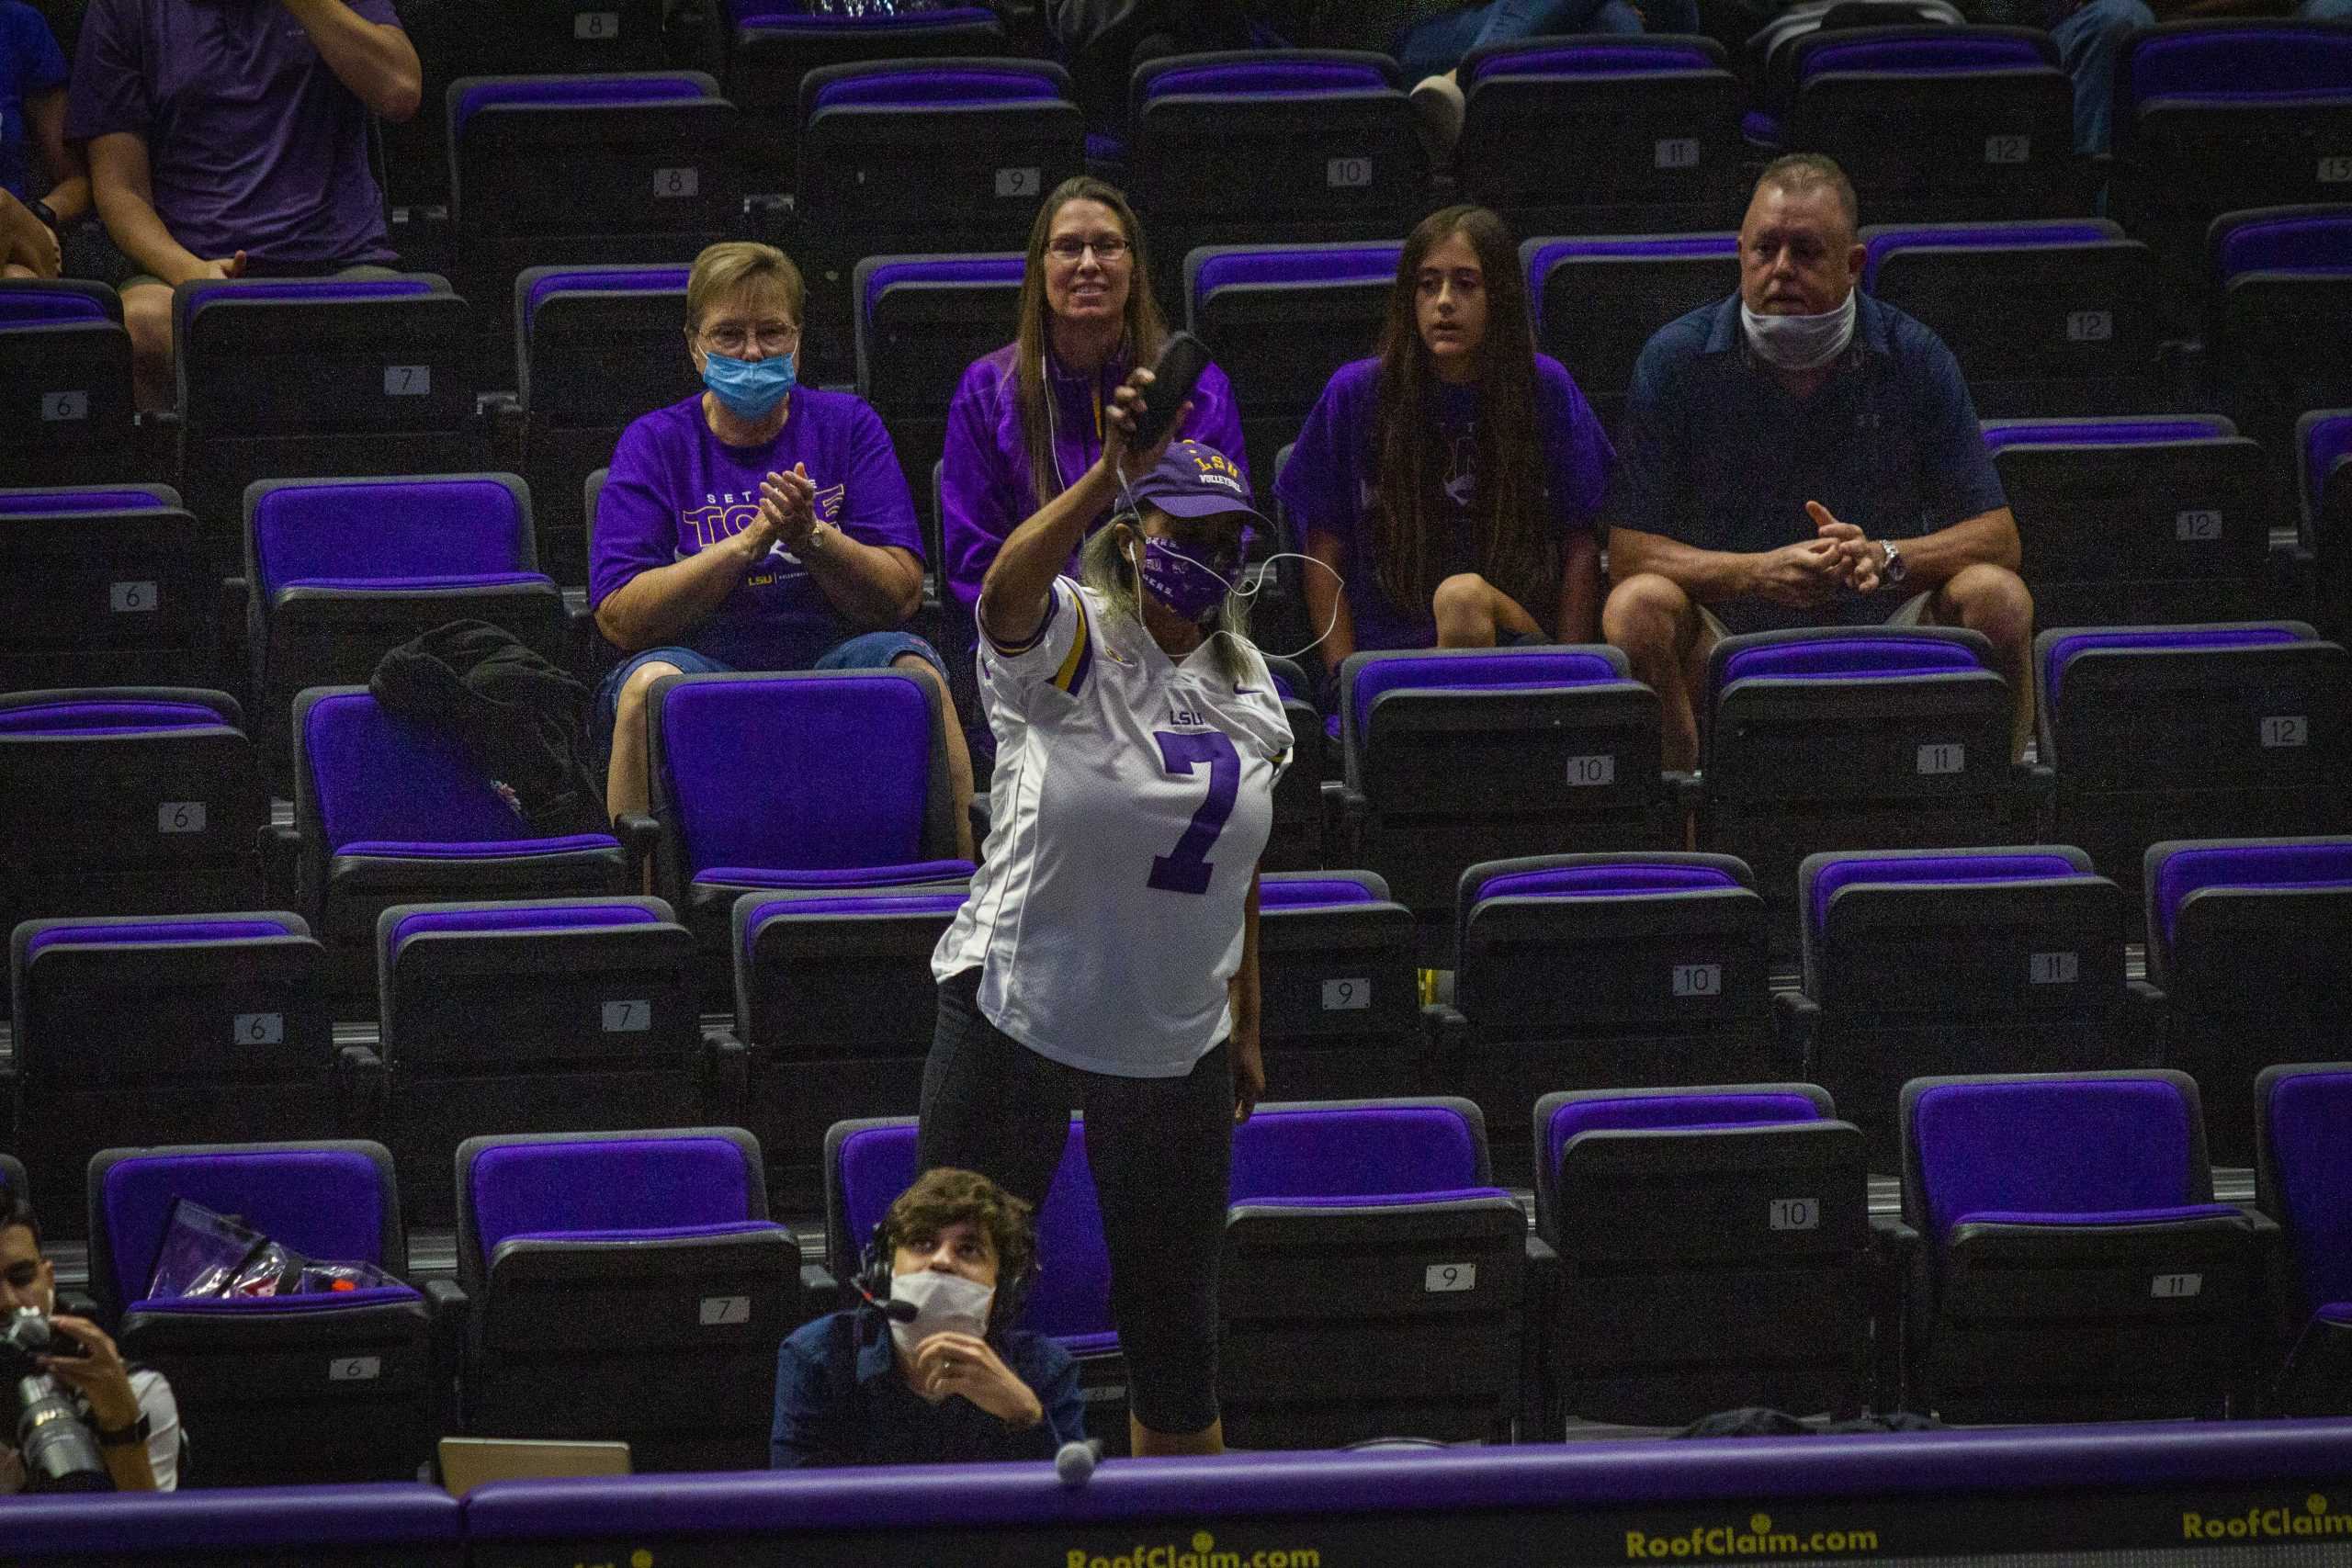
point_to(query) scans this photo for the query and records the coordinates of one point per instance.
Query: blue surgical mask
(1181, 583)
(750, 388)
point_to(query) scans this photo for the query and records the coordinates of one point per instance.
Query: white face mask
(1800, 342)
(944, 1303)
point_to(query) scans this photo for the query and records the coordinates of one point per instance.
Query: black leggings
(1160, 1150)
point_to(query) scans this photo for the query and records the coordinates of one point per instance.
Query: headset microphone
(890, 1307)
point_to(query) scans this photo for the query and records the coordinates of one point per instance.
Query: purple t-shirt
(254, 143)
(1327, 485)
(984, 481)
(675, 486)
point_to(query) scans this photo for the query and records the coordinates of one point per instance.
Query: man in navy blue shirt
(1802, 454)
(949, 1383)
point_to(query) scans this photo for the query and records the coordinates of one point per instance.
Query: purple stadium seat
(127, 1026)
(1932, 961)
(389, 812)
(811, 781)
(2246, 940)
(2300, 1176)
(329, 1386)
(1670, 952)
(2323, 442)
(1369, 1190)
(1341, 998)
(175, 830)
(1723, 1296)
(2060, 1198)
(103, 586)
(1457, 755)
(835, 1007)
(1598, 301)
(64, 382)
(554, 1015)
(1655, 121)
(569, 1245)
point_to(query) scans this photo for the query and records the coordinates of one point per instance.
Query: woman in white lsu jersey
(1107, 957)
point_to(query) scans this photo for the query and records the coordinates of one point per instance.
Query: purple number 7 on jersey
(1186, 870)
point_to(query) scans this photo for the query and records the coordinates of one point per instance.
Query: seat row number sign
(2196, 526)
(1795, 1214)
(596, 24)
(2177, 1287)
(629, 1017)
(719, 1311)
(65, 407)
(130, 598)
(1946, 757)
(1347, 174)
(2008, 149)
(668, 183)
(1441, 1278)
(355, 1368)
(2054, 968)
(1019, 182)
(2286, 731)
(408, 381)
(259, 1028)
(180, 817)
(2336, 171)
(1698, 979)
(1676, 152)
(1347, 995)
(2090, 326)
(1589, 772)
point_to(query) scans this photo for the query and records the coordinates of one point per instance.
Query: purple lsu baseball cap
(1193, 481)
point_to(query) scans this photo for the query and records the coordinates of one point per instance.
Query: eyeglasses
(731, 338)
(1109, 248)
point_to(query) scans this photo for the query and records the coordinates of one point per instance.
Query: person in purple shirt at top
(229, 138)
(1026, 420)
(759, 524)
(1451, 483)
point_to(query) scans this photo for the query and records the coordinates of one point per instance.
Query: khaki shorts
(1915, 611)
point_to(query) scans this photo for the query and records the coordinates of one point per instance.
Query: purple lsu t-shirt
(253, 144)
(675, 487)
(1326, 486)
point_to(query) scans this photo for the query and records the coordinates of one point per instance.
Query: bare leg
(1472, 613)
(1145, 1443)
(147, 317)
(1656, 625)
(1995, 600)
(959, 751)
(624, 782)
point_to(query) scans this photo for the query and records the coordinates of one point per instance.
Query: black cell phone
(1182, 360)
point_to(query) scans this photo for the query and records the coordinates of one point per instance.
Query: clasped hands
(787, 514)
(1811, 572)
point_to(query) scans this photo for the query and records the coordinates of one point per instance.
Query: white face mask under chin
(944, 1303)
(1800, 342)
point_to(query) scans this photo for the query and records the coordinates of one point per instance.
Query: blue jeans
(867, 650)
(1440, 43)
(2088, 41)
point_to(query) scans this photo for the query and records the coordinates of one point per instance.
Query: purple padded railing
(914, 85)
(2324, 443)
(2239, 62)
(1371, 1200)
(1980, 237)
(549, 1188)
(2321, 865)
(108, 718)
(322, 1203)
(2105, 433)
(632, 280)
(1534, 670)
(2172, 1214)
(1267, 78)
(1638, 1110)
(975, 270)
(1360, 1152)
(47, 307)
(1552, 60)
(1959, 870)
(1324, 264)
(26, 504)
(476, 849)
(2311, 243)
(128, 933)
(847, 878)
(1313, 893)
(1937, 56)
(310, 1302)
(904, 904)
(2051, 1145)
(1602, 882)
(1847, 659)
(2309, 1118)
(573, 92)
(649, 1233)
(317, 290)
(519, 918)
(2063, 651)
(421, 584)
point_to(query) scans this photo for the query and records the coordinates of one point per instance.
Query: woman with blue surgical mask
(760, 524)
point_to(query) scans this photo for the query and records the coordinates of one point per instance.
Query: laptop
(468, 1462)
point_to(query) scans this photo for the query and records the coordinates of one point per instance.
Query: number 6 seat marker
(1186, 868)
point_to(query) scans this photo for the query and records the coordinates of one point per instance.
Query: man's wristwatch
(1897, 568)
(47, 215)
(124, 1436)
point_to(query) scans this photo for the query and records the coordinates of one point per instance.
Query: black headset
(872, 1283)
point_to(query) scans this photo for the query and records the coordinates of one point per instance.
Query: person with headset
(1803, 454)
(928, 1367)
(1026, 420)
(1454, 479)
(1106, 957)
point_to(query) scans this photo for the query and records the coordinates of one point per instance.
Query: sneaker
(1437, 105)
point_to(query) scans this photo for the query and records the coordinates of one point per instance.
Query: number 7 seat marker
(1186, 868)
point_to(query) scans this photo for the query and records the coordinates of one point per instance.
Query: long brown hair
(1145, 328)
(1516, 551)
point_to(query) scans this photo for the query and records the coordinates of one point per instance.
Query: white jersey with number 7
(1132, 799)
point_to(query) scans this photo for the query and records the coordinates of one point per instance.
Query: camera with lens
(60, 1453)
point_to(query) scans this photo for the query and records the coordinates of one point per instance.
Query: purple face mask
(1181, 583)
